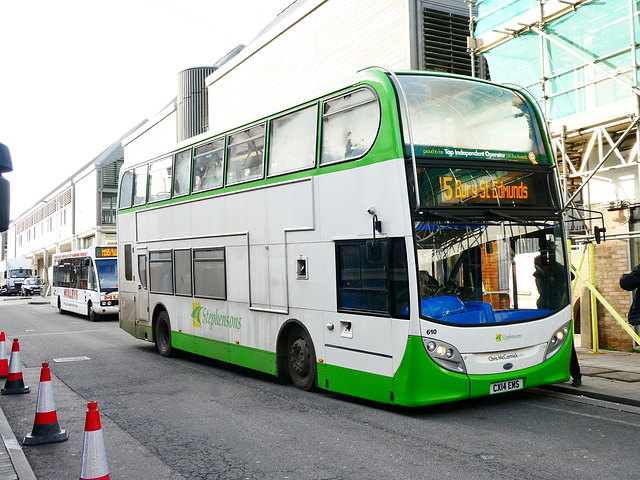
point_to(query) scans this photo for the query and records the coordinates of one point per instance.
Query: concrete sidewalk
(607, 375)
(13, 463)
(610, 376)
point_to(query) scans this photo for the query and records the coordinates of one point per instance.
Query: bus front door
(142, 296)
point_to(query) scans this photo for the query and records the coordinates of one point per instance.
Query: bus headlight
(557, 340)
(444, 354)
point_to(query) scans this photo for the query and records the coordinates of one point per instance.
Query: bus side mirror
(600, 233)
(5, 193)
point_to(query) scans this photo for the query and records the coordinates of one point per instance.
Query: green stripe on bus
(254, 358)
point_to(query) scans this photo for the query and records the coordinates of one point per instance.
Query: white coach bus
(86, 282)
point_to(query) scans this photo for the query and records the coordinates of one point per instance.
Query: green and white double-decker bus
(399, 239)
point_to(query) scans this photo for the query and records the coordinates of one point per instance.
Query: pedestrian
(574, 368)
(630, 281)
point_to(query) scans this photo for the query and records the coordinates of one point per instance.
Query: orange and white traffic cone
(94, 457)
(4, 363)
(45, 427)
(15, 383)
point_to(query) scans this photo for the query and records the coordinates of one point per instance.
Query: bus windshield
(502, 271)
(456, 118)
(108, 274)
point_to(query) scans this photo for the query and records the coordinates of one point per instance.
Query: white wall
(318, 44)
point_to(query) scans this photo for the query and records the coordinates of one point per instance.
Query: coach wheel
(301, 359)
(60, 310)
(92, 314)
(162, 335)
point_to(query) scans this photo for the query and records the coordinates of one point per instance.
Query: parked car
(31, 286)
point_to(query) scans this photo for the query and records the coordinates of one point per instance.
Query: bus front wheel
(162, 335)
(60, 310)
(301, 359)
(93, 316)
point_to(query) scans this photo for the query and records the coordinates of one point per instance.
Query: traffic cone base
(42, 434)
(45, 427)
(15, 383)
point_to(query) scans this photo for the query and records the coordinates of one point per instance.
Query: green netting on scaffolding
(598, 32)
(492, 13)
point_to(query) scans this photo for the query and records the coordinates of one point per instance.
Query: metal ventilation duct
(192, 102)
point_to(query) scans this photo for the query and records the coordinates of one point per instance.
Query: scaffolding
(580, 59)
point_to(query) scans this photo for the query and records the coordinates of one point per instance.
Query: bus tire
(92, 314)
(162, 335)
(301, 359)
(60, 310)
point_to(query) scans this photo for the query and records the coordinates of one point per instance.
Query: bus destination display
(104, 252)
(470, 187)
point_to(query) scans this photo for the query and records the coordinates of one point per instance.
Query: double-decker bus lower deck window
(182, 262)
(209, 276)
(161, 272)
(372, 277)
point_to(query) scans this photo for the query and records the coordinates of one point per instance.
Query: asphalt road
(190, 417)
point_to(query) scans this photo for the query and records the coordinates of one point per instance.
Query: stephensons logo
(505, 338)
(202, 316)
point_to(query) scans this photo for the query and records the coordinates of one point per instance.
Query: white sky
(76, 75)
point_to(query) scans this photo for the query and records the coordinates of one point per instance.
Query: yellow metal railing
(597, 295)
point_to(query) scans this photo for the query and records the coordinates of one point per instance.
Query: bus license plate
(508, 386)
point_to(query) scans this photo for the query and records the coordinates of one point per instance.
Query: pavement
(610, 376)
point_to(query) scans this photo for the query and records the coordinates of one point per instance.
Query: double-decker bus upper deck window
(182, 177)
(245, 155)
(126, 189)
(455, 118)
(208, 165)
(160, 175)
(292, 141)
(140, 185)
(349, 125)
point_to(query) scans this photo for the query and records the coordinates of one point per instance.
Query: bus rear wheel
(301, 359)
(162, 335)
